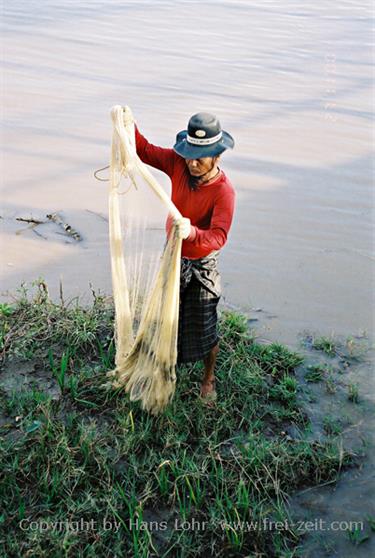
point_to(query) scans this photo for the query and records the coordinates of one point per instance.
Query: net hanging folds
(145, 273)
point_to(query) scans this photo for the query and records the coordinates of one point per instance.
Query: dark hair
(194, 182)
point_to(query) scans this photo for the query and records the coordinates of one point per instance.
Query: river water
(291, 82)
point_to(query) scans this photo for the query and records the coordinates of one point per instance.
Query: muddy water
(292, 84)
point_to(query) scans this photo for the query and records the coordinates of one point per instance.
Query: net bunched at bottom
(146, 345)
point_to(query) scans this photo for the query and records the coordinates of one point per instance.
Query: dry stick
(67, 228)
(54, 217)
(31, 220)
(33, 223)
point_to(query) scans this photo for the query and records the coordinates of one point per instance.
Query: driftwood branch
(55, 218)
(31, 220)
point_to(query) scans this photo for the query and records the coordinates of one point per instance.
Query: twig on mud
(31, 220)
(55, 218)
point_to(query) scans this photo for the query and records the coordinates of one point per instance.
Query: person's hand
(183, 227)
(128, 115)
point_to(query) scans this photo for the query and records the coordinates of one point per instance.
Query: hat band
(204, 141)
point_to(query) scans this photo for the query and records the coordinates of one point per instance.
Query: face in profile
(199, 167)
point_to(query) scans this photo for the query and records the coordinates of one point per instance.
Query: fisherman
(205, 197)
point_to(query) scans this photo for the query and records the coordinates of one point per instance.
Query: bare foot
(208, 391)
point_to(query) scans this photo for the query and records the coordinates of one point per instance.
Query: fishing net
(145, 267)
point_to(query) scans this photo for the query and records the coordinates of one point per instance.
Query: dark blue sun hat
(203, 138)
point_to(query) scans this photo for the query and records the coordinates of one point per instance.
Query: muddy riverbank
(310, 402)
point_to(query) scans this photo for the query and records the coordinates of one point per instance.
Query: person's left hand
(183, 227)
(127, 115)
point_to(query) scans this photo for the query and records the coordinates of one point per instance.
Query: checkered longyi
(199, 296)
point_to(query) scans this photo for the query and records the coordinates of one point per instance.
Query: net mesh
(145, 273)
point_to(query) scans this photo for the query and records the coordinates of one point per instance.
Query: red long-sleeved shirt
(210, 208)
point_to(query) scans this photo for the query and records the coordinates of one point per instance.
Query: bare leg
(208, 381)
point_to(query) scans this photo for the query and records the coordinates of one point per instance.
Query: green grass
(332, 426)
(353, 392)
(325, 344)
(356, 536)
(89, 474)
(349, 350)
(330, 384)
(316, 373)
(371, 522)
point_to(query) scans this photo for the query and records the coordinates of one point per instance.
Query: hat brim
(190, 151)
